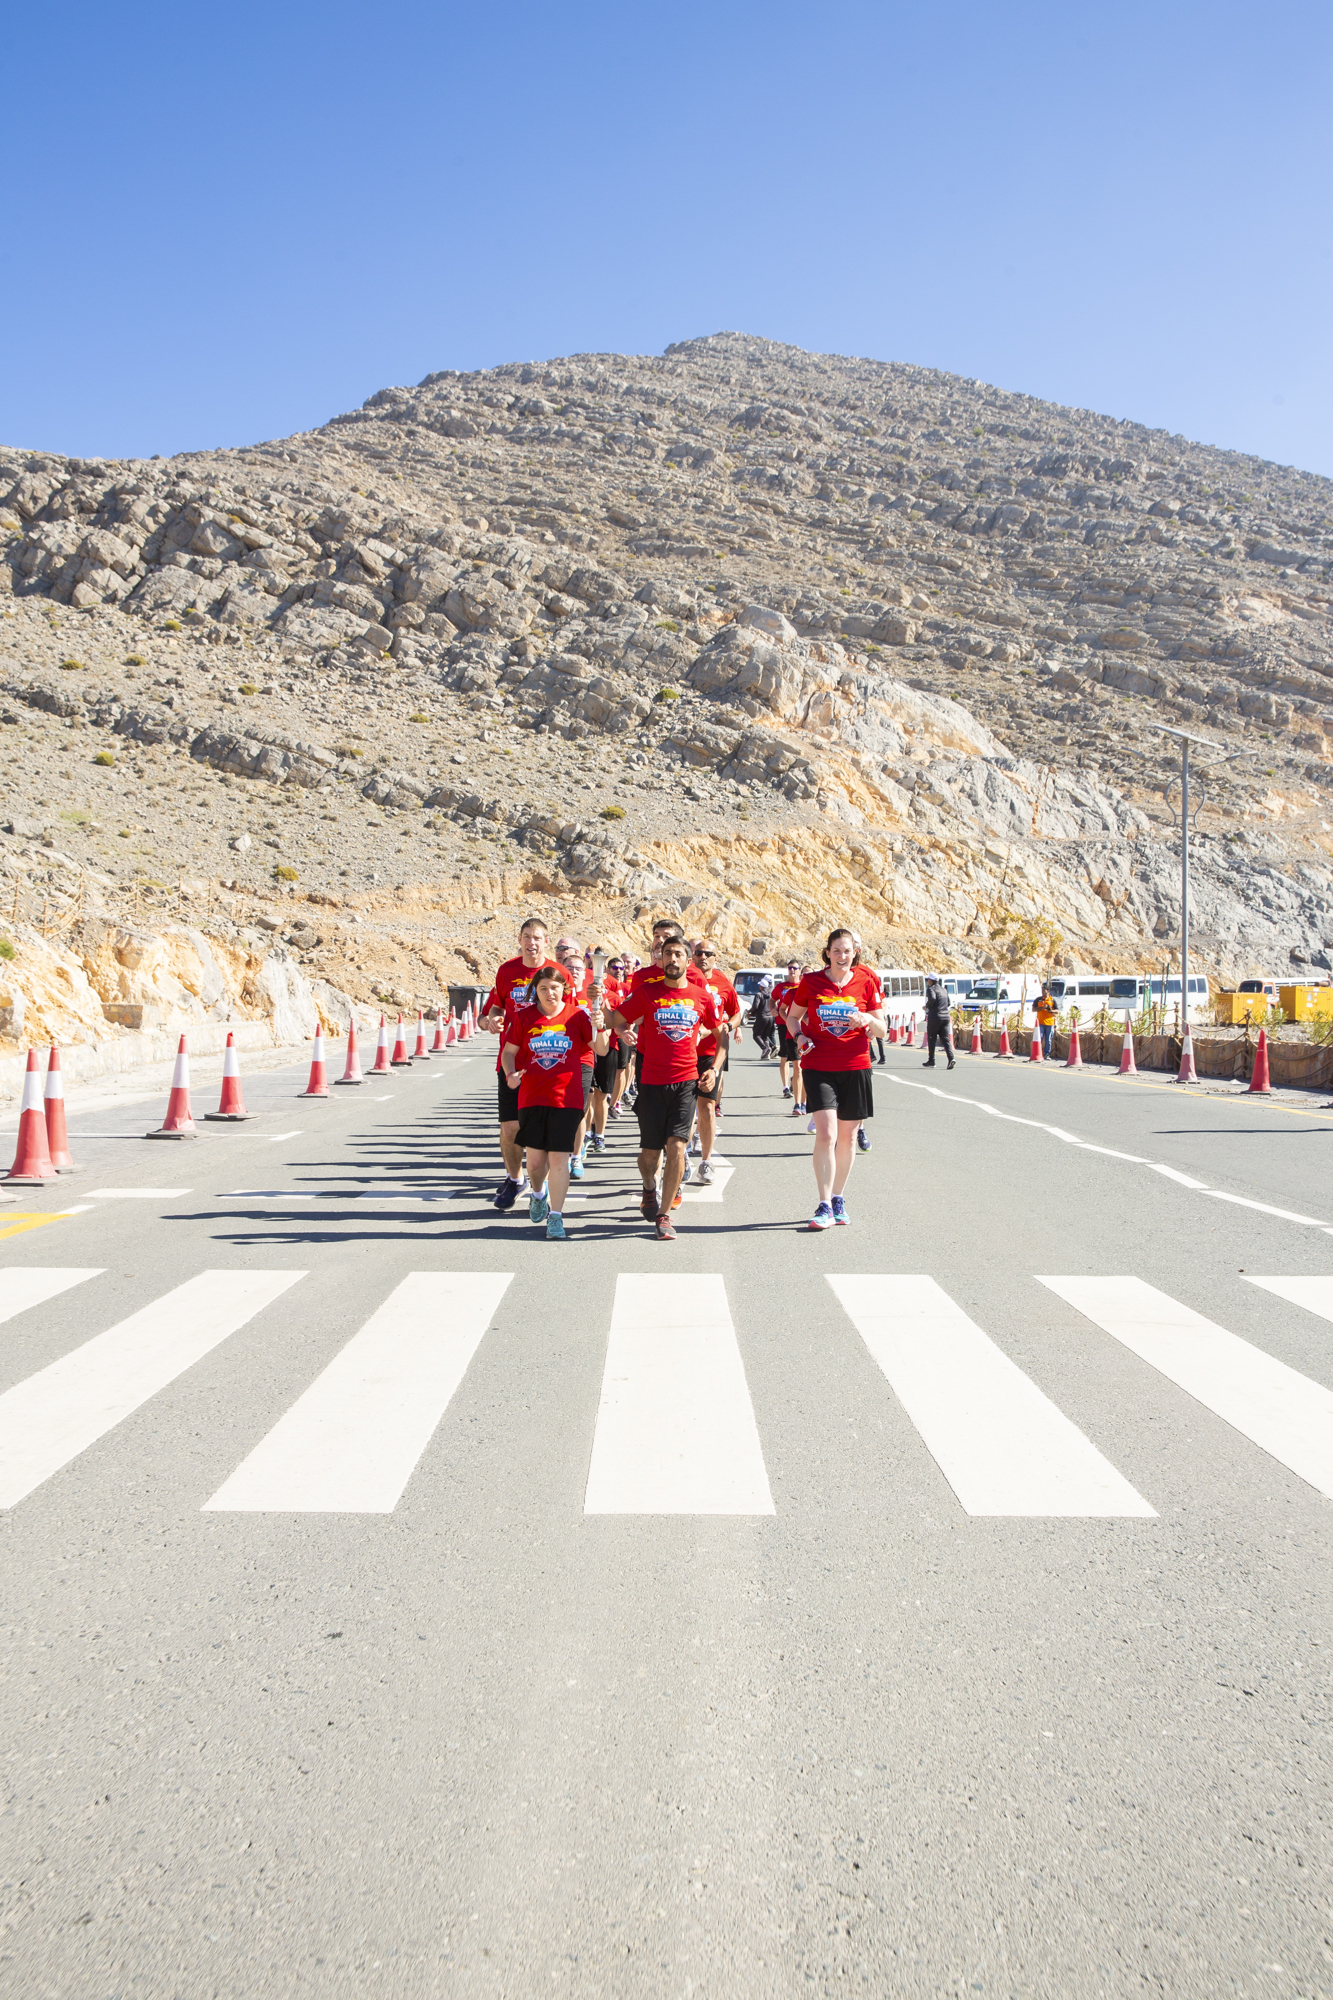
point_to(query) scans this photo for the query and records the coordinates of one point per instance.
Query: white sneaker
(706, 1174)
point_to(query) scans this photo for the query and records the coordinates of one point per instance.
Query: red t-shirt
(513, 992)
(693, 976)
(551, 1055)
(674, 1018)
(835, 1044)
(727, 1003)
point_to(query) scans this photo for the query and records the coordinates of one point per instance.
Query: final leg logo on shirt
(835, 1016)
(548, 1047)
(676, 1019)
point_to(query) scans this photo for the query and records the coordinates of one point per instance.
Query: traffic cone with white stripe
(465, 1024)
(1259, 1084)
(178, 1123)
(1128, 1066)
(231, 1105)
(32, 1160)
(400, 1059)
(438, 1042)
(975, 1048)
(421, 1053)
(318, 1085)
(57, 1138)
(1005, 1053)
(893, 1031)
(1187, 1072)
(380, 1067)
(352, 1073)
(450, 1030)
(1035, 1052)
(1074, 1060)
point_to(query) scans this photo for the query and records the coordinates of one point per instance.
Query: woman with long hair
(835, 1012)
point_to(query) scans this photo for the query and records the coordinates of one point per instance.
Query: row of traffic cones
(43, 1139)
(1187, 1073)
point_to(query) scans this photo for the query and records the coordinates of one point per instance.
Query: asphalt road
(945, 1632)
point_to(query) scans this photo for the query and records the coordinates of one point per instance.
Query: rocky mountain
(765, 636)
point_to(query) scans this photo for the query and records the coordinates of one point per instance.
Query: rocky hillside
(766, 636)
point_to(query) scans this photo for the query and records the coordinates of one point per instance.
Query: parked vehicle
(747, 982)
(1005, 993)
(1087, 993)
(1268, 987)
(1130, 994)
(901, 985)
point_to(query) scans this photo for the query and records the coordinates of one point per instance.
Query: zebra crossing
(675, 1430)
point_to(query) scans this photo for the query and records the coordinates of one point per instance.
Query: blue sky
(229, 224)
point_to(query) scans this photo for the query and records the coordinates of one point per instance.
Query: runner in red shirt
(674, 1014)
(543, 1056)
(714, 1051)
(789, 1061)
(608, 1075)
(835, 1012)
(570, 955)
(511, 992)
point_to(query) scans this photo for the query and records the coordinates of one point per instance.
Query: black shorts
(623, 1052)
(508, 1101)
(718, 1064)
(849, 1092)
(786, 1045)
(604, 1071)
(588, 1069)
(664, 1111)
(549, 1127)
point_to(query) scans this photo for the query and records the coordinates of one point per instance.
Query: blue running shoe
(840, 1215)
(598, 1142)
(505, 1195)
(555, 1228)
(576, 1168)
(862, 1139)
(822, 1217)
(538, 1208)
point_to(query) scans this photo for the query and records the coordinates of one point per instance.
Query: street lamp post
(1187, 1071)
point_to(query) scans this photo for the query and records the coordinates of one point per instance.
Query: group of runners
(584, 1039)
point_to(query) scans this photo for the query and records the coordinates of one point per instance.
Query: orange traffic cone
(1074, 1060)
(1128, 1066)
(1035, 1053)
(975, 1047)
(450, 1030)
(438, 1042)
(1005, 1053)
(32, 1161)
(893, 1031)
(380, 1067)
(400, 1059)
(1259, 1084)
(352, 1073)
(231, 1105)
(178, 1123)
(421, 1053)
(318, 1085)
(1187, 1072)
(57, 1138)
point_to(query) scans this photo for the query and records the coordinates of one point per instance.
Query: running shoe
(840, 1215)
(576, 1167)
(614, 1111)
(695, 1147)
(822, 1217)
(505, 1195)
(706, 1174)
(650, 1206)
(555, 1228)
(677, 1201)
(809, 1123)
(598, 1143)
(687, 1171)
(538, 1208)
(796, 1110)
(786, 1090)
(862, 1139)
(666, 1232)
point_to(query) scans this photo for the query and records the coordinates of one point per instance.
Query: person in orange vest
(1045, 1010)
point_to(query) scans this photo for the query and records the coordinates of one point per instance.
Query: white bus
(1131, 993)
(904, 991)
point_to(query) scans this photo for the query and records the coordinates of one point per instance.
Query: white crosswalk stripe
(714, 1193)
(57, 1413)
(1315, 1295)
(1002, 1445)
(350, 1443)
(1283, 1412)
(22, 1289)
(675, 1426)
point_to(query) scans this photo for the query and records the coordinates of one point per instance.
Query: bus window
(1125, 989)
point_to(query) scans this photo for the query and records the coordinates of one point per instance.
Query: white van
(1009, 992)
(1130, 994)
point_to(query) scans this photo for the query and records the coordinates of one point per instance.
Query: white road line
(277, 1138)
(1313, 1294)
(137, 1194)
(1266, 1208)
(1002, 1445)
(60, 1411)
(693, 1192)
(1174, 1174)
(1283, 1412)
(349, 1444)
(675, 1426)
(33, 1286)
